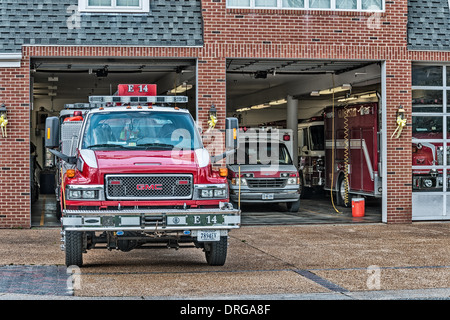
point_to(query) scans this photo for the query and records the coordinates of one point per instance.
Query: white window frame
(144, 7)
(445, 166)
(306, 6)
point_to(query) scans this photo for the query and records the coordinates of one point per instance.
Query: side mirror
(231, 139)
(231, 133)
(52, 139)
(52, 132)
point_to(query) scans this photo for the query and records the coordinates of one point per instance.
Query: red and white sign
(137, 89)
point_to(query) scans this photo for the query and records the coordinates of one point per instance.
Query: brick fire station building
(50, 51)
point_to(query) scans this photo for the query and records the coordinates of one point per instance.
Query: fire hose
(332, 146)
(346, 156)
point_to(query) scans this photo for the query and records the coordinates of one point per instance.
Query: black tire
(305, 192)
(340, 194)
(293, 206)
(58, 212)
(74, 248)
(216, 252)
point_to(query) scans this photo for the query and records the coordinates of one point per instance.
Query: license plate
(208, 235)
(267, 196)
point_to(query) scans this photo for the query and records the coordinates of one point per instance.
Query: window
(132, 6)
(430, 141)
(356, 5)
(267, 152)
(140, 131)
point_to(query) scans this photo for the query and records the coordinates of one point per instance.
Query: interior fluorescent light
(181, 88)
(341, 88)
(348, 99)
(260, 106)
(315, 93)
(243, 109)
(277, 102)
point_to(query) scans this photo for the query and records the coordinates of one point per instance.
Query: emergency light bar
(77, 106)
(138, 99)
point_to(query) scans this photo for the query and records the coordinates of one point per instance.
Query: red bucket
(358, 207)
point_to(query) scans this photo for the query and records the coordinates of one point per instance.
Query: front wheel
(293, 206)
(216, 252)
(73, 241)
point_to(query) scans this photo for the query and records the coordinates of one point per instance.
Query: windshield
(262, 153)
(140, 130)
(317, 137)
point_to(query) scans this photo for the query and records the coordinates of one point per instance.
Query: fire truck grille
(266, 183)
(148, 187)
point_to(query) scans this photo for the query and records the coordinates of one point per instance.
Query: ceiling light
(277, 102)
(341, 88)
(181, 88)
(315, 93)
(243, 109)
(260, 106)
(348, 99)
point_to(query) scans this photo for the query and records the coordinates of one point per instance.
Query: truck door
(361, 147)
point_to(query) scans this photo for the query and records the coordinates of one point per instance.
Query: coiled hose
(333, 146)
(346, 155)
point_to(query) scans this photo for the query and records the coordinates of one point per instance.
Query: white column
(292, 123)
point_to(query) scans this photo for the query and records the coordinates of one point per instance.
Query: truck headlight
(205, 193)
(91, 192)
(215, 191)
(235, 181)
(293, 180)
(74, 194)
(220, 193)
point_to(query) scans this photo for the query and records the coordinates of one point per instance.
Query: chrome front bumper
(150, 219)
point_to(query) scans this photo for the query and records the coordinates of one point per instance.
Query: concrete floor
(317, 209)
(280, 261)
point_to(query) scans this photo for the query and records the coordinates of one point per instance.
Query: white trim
(383, 149)
(10, 60)
(144, 7)
(307, 7)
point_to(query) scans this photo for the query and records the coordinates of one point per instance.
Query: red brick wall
(302, 34)
(241, 33)
(15, 148)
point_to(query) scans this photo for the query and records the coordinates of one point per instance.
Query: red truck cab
(141, 176)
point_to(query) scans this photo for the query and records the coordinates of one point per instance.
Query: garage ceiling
(78, 78)
(249, 81)
(255, 81)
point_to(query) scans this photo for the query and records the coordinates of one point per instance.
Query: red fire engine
(134, 173)
(353, 155)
